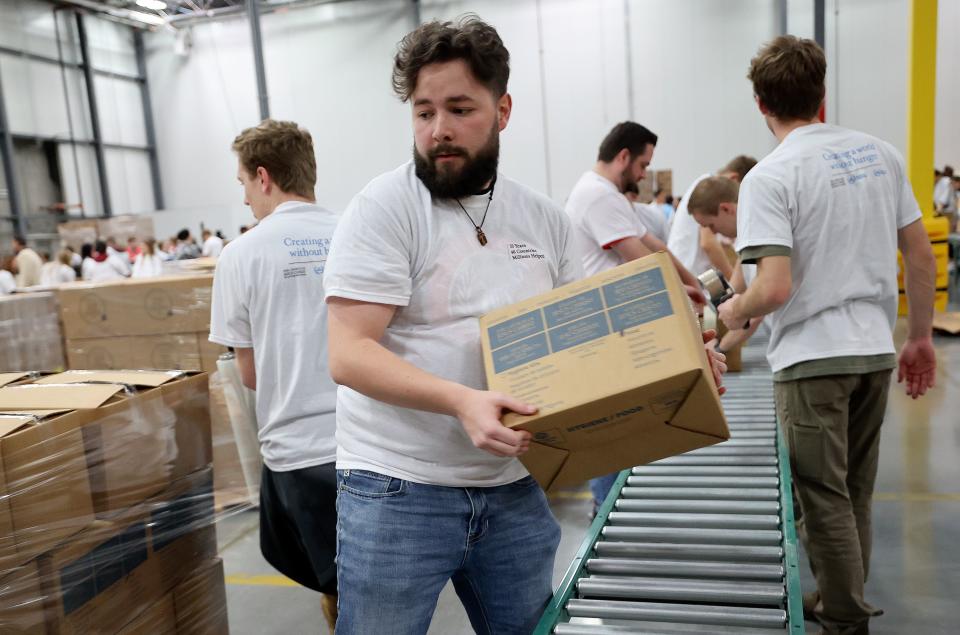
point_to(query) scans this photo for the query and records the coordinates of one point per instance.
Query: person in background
(244, 229)
(212, 244)
(75, 259)
(186, 247)
(7, 281)
(148, 264)
(133, 249)
(168, 250)
(106, 267)
(825, 244)
(26, 263)
(943, 191)
(651, 214)
(118, 255)
(270, 308)
(608, 231)
(59, 271)
(86, 261)
(664, 201)
(699, 248)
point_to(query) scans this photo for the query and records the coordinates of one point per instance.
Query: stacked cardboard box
(160, 323)
(30, 334)
(142, 323)
(106, 505)
(77, 232)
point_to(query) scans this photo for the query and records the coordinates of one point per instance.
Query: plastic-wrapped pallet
(107, 520)
(30, 332)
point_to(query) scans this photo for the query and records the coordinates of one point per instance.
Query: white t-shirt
(212, 247)
(836, 198)
(147, 266)
(651, 217)
(56, 273)
(942, 191)
(684, 241)
(396, 245)
(7, 282)
(601, 216)
(268, 295)
(110, 269)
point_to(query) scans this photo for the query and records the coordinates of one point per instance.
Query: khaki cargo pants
(832, 428)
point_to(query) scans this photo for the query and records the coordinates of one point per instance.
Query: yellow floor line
(240, 579)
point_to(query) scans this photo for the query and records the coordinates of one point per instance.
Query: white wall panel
(131, 191)
(110, 45)
(78, 178)
(121, 111)
(948, 85)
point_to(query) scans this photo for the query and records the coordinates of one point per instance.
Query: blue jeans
(398, 543)
(600, 487)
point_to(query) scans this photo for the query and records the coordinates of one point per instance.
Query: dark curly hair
(469, 39)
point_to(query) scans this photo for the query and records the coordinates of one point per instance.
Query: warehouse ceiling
(176, 13)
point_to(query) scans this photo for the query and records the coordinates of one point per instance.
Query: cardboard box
(30, 336)
(101, 579)
(21, 601)
(44, 487)
(127, 226)
(77, 232)
(209, 353)
(174, 352)
(201, 601)
(159, 619)
(141, 306)
(132, 442)
(230, 486)
(947, 322)
(119, 575)
(615, 364)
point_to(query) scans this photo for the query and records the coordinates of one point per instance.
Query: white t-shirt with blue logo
(268, 295)
(397, 245)
(836, 198)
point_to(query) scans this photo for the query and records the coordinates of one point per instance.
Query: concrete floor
(916, 566)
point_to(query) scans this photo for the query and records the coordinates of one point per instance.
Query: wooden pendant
(481, 237)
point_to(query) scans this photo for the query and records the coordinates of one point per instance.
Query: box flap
(544, 462)
(701, 398)
(33, 413)
(11, 423)
(9, 378)
(146, 378)
(68, 396)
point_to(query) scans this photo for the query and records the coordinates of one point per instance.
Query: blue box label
(640, 312)
(633, 288)
(583, 330)
(520, 353)
(573, 308)
(515, 329)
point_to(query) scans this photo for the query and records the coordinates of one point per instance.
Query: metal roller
(671, 551)
(686, 459)
(591, 626)
(698, 506)
(686, 569)
(706, 521)
(693, 536)
(680, 493)
(684, 614)
(706, 470)
(679, 589)
(751, 482)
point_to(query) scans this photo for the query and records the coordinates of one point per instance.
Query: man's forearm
(758, 300)
(920, 281)
(369, 368)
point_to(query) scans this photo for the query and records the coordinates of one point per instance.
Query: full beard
(446, 181)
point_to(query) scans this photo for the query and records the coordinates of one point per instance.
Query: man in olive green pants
(822, 216)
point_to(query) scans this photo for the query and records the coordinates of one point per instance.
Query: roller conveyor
(698, 543)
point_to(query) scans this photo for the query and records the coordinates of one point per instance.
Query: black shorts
(298, 524)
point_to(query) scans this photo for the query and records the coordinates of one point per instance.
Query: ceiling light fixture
(149, 18)
(156, 5)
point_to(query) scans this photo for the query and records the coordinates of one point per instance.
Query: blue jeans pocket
(370, 484)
